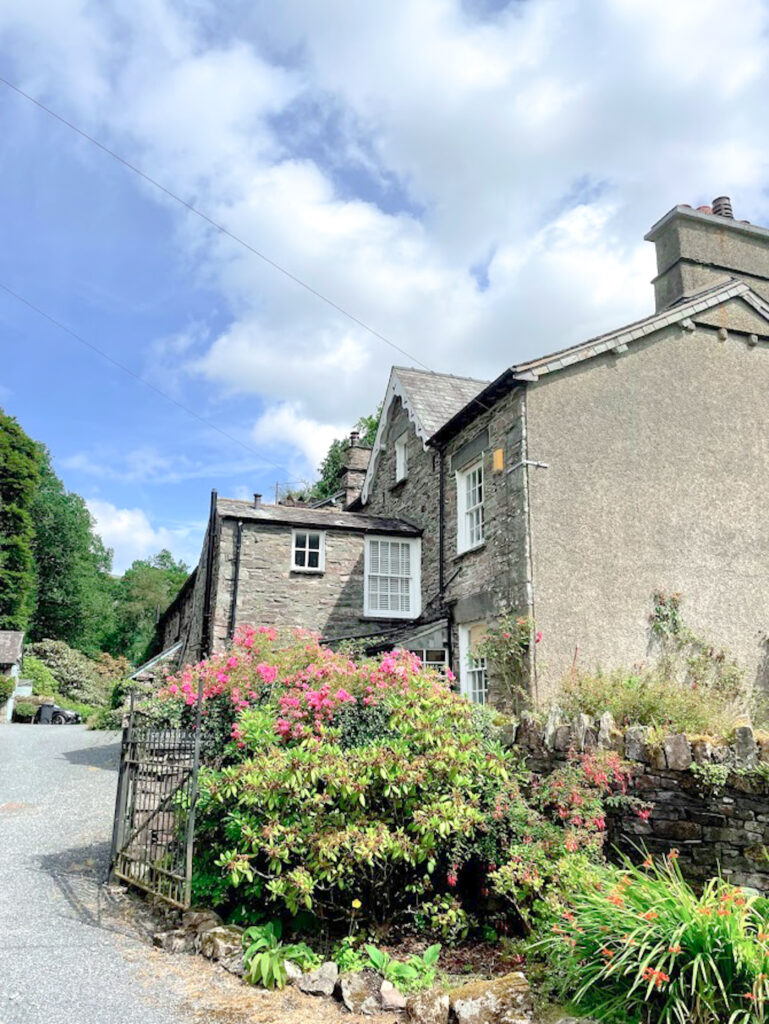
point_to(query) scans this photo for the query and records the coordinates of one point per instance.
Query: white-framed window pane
(401, 460)
(477, 684)
(307, 551)
(389, 577)
(470, 511)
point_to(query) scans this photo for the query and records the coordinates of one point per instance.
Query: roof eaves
(620, 339)
(481, 403)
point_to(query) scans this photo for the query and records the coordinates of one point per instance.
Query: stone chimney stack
(355, 464)
(702, 248)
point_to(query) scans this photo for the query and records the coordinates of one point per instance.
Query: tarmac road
(68, 955)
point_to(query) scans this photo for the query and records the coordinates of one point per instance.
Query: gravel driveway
(74, 951)
(68, 953)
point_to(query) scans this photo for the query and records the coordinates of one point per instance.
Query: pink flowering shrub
(332, 780)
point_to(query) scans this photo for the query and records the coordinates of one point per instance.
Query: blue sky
(472, 178)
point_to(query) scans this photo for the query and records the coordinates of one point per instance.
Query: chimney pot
(354, 438)
(722, 207)
(257, 500)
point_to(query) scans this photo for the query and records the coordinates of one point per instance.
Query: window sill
(469, 551)
(306, 572)
(387, 616)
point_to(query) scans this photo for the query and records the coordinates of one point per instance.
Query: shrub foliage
(368, 790)
(638, 944)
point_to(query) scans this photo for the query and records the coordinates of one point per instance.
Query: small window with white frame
(401, 459)
(473, 676)
(470, 514)
(392, 584)
(308, 551)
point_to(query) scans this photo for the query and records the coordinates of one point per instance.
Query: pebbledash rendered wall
(715, 829)
(657, 478)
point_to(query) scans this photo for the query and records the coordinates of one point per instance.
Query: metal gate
(154, 826)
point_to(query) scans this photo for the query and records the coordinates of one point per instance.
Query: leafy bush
(7, 686)
(416, 973)
(363, 791)
(647, 696)
(43, 680)
(638, 944)
(347, 955)
(77, 676)
(266, 955)
(24, 711)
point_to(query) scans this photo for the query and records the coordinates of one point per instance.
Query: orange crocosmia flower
(650, 915)
(674, 949)
(608, 953)
(648, 863)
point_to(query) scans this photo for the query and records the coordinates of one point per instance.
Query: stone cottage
(11, 645)
(575, 484)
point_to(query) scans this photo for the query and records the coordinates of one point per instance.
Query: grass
(646, 696)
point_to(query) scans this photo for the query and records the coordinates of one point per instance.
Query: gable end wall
(658, 478)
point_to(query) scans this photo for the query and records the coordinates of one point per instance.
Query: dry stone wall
(709, 800)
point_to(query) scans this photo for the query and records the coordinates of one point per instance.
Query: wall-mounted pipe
(235, 579)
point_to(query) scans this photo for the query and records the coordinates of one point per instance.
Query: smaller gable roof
(430, 400)
(321, 518)
(11, 642)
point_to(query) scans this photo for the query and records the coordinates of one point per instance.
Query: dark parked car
(52, 714)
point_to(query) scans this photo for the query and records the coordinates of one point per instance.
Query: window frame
(469, 666)
(312, 570)
(401, 458)
(415, 578)
(464, 510)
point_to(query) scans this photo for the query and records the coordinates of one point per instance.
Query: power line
(136, 376)
(215, 224)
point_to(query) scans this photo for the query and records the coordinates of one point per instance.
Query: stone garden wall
(708, 799)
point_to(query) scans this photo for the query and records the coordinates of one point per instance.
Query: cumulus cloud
(131, 535)
(474, 187)
(283, 424)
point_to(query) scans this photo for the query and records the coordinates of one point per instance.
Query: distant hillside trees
(141, 597)
(19, 480)
(74, 590)
(55, 578)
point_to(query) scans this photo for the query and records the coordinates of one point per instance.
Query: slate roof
(632, 332)
(320, 518)
(10, 646)
(436, 397)
(615, 341)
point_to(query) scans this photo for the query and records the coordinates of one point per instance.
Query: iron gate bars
(154, 826)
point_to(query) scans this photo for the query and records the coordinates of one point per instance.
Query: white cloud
(131, 535)
(381, 151)
(283, 424)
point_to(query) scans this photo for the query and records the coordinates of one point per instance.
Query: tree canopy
(332, 467)
(74, 599)
(55, 580)
(19, 479)
(141, 597)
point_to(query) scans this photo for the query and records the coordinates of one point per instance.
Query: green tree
(332, 467)
(141, 597)
(74, 589)
(19, 478)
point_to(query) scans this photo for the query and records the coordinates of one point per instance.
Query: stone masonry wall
(414, 499)
(715, 824)
(271, 594)
(482, 582)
